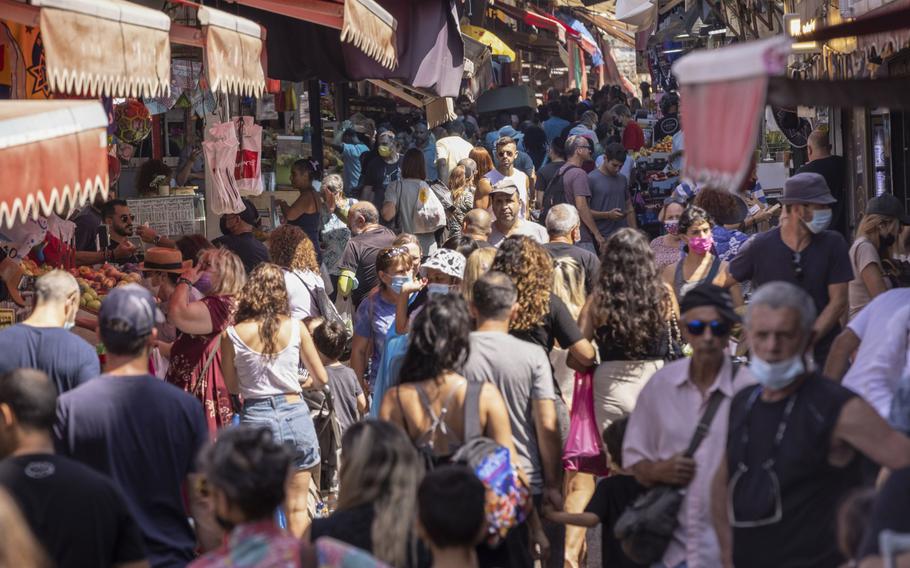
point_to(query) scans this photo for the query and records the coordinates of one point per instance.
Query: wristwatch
(186, 281)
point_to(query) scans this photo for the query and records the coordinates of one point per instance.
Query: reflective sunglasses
(719, 328)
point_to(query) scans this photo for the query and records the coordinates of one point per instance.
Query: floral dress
(188, 357)
(665, 253)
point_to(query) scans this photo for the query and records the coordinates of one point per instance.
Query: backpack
(429, 214)
(508, 501)
(555, 192)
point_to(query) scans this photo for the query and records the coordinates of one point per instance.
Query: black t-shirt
(247, 247)
(77, 514)
(144, 434)
(834, 170)
(558, 326)
(545, 175)
(811, 488)
(132, 259)
(360, 256)
(666, 126)
(891, 511)
(611, 497)
(87, 222)
(378, 174)
(587, 259)
(67, 359)
(766, 258)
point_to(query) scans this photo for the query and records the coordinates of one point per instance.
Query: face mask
(671, 227)
(701, 245)
(821, 218)
(384, 151)
(777, 376)
(398, 282)
(204, 284)
(886, 241)
(438, 289)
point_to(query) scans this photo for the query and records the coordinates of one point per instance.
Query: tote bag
(583, 451)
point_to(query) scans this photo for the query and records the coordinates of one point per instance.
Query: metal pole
(315, 121)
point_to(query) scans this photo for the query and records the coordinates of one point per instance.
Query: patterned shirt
(254, 545)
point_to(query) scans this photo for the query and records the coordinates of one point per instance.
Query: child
(348, 400)
(450, 515)
(611, 497)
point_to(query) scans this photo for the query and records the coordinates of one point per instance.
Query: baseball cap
(807, 187)
(711, 296)
(129, 311)
(447, 261)
(888, 206)
(506, 186)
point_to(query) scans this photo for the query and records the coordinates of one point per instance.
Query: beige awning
(233, 50)
(105, 48)
(439, 109)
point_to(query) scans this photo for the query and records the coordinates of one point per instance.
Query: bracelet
(183, 280)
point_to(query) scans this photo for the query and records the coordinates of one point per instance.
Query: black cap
(250, 214)
(712, 296)
(888, 206)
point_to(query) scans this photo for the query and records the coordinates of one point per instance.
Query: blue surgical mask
(821, 219)
(398, 282)
(779, 375)
(438, 289)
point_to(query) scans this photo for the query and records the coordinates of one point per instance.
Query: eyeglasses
(125, 218)
(719, 328)
(797, 266)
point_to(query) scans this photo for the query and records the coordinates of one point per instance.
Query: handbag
(323, 303)
(646, 527)
(199, 387)
(583, 451)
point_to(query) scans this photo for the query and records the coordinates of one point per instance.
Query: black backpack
(555, 192)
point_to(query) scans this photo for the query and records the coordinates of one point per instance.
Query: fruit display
(31, 268)
(665, 146)
(102, 279)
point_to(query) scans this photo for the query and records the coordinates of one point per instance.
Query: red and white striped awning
(53, 155)
(722, 95)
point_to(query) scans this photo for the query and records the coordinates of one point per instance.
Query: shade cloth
(105, 48)
(722, 95)
(538, 20)
(233, 49)
(506, 98)
(641, 14)
(53, 155)
(491, 40)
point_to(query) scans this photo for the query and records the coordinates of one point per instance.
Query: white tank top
(261, 376)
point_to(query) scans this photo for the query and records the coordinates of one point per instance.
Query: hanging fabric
(248, 167)
(220, 148)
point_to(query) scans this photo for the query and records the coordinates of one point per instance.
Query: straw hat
(161, 259)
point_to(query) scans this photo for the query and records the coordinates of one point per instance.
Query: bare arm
(582, 352)
(390, 409)
(482, 194)
(678, 470)
(837, 305)
(389, 210)
(873, 279)
(575, 519)
(309, 356)
(631, 218)
(401, 307)
(361, 349)
(584, 212)
(548, 440)
(362, 404)
(719, 514)
(839, 357)
(586, 325)
(860, 426)
(188, 317)
(227, 365)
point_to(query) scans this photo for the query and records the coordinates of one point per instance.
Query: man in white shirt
(506, 152)
(451, 150)
(505, 204)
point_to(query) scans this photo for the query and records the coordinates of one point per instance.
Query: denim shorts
(290, 422)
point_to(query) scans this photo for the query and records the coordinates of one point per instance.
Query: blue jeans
(290, 422)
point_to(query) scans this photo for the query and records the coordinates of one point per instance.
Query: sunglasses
(718, 328)
(125, 218)
(797, 266)
(393, 252)
(505, 154)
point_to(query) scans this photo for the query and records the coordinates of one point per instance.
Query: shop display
(133, 121)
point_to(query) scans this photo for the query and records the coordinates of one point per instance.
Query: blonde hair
(873, 226)
(379, 466)
(457, 182)
(478, 264)
(18, 546)
(569, 284)
(228, 274)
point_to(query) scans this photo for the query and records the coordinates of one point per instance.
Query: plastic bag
(583, 451)
(220, 148)
(248, 166)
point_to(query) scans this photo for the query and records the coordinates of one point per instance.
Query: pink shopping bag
(584, 451)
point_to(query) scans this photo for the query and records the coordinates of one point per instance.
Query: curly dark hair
(439, 340)
(630, 303)
(264, 299)
(291, 248)
(530, 267)
(693, 215)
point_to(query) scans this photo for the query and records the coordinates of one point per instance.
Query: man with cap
(793, 445)
(237, 237)
(141, 432)
(505, 155)
(668, 410)
(505, 203)
(801, 251)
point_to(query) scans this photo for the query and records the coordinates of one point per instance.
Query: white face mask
(779, 375)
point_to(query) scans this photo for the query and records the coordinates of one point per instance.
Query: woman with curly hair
(542, 318)
(260, 359)
(629, 315)
(462, 199)
(482, 186)
(290, 249)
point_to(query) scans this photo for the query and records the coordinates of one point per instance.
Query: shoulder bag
(323, 303)
(646, 527)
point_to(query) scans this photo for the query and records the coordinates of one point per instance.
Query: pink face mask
(701, 245)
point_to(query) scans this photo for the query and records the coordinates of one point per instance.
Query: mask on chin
(779, 375)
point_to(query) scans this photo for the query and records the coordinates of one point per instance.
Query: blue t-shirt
(554, 126)
(429, 156)
(144, 434)
(350, 156)
(375, 327)
(66, 358)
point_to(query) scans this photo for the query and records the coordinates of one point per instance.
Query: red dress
(188, 356)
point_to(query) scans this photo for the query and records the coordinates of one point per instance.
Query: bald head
(361, 215)
(819, 145)
(478, 224)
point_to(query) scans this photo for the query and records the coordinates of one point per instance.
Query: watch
(186, 281)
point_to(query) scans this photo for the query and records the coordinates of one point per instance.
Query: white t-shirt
(452, 149)
(520, 179)
(882, 329)
(301, 300)
(527, 228)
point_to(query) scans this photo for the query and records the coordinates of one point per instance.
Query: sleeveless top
(261, 376)
(810, 488)
(612, 351)
(425, 442)
(682, 286)
(311, 223)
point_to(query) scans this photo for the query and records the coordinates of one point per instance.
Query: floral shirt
(665, 254)
(335, 236)
(456, 216)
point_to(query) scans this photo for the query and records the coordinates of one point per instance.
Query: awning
(585, 39)
(233, 51)
(538, 20)
(53, 155)
(722, 96)
(363, 23)
(640, 14)
(105, 48)
(479, 74)
(614, 28)
(491, 40)
(439, 110)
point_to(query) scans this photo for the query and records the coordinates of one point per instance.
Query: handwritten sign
(168, 216)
